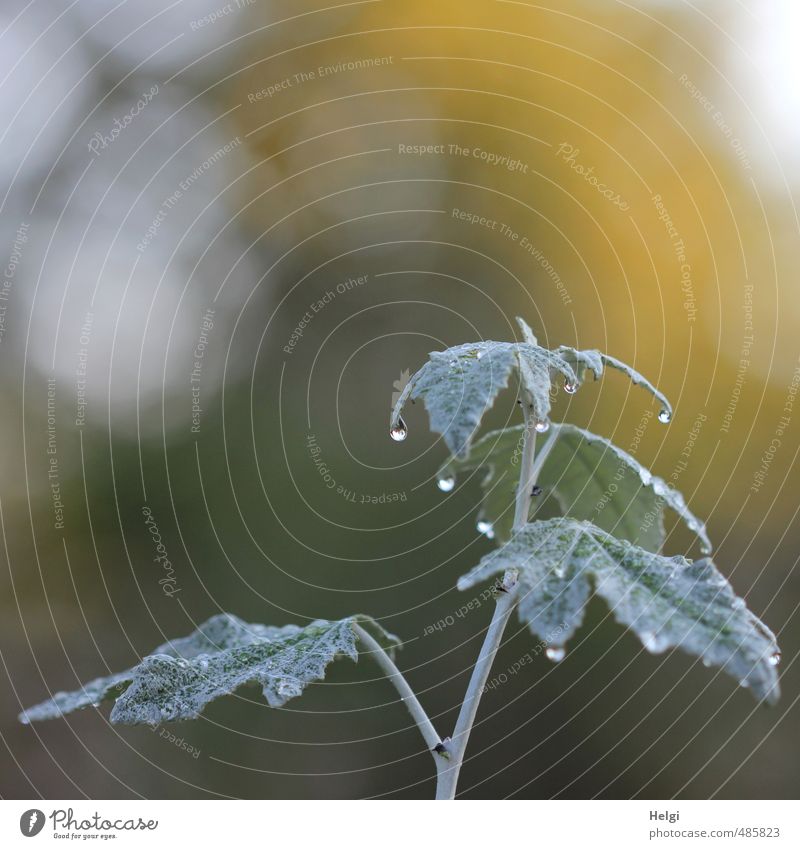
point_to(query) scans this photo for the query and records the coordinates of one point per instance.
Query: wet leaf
(595, 361)
(182, 676)
(460, 384)
(588, 476)
(666, 601)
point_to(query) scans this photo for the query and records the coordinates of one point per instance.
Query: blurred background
(228, 230)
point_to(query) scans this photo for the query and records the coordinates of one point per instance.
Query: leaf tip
(527, 334)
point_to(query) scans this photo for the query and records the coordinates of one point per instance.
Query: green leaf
(588, 476)
(666, 601)
(498, 453)
(182, 676)
(460, 384)
(595, 361)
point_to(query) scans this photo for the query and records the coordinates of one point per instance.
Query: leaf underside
(587, 475)
(182, 676)
(668, 602)
(460, 384)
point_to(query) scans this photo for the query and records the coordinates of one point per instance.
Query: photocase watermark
(780, 430)
(198, 354)
(318, 305)
(218, 14)
(550, 646)
(473, 604)
(179, 742)
(101, 141)
(32, 822)
(10, 272)
(521, 241)
(743, 365)
(66, 825)
(654, 516)
(169, 584)
(171, 201)
(330, 482)
(81, 369)
(320, 72)
(623, 468)
(719, 120)
(569, 154)
(679, 249)
(53, 468)
(488, 157)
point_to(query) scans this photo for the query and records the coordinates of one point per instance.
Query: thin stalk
(432, 740)
(448, 777)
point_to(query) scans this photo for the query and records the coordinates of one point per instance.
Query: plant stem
(526, 473)
(448, 777)
(407, 696)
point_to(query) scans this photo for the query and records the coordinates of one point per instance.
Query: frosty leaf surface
(668, 602)
(595, 361)
(588, 476)
(496, 456)
(179, 678)
(460, 384)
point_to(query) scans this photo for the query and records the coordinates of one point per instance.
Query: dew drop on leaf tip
(542, 426)
(775, 658)
(399, 431)
(665, 417)
(555, 653)
(570, 388)
(446, 484)
(650, 642)
(485, 528)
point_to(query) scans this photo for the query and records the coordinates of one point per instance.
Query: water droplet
(665, 417)
(485, 528)
(569, 387)
(775, 659)
(542, 426)
(24, 719)
(706, 662)
(705, 548)
(537, 490)
(399, 432)
(446, 484)
(651, 642)
(744, 683)
(556, 653)
(479, 354)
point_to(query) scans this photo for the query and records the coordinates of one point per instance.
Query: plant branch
(407, 695)
(506, 599)
(526, 472)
